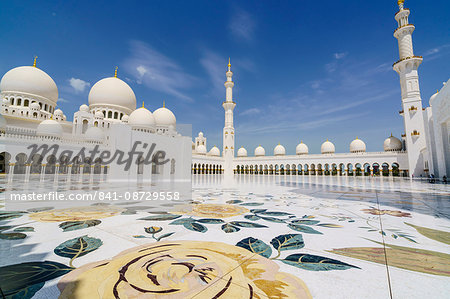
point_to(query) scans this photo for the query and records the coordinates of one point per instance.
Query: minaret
(228, 130)
(406, 67)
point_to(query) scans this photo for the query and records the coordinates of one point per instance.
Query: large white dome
(141, 118)
(260, 151)
(112, 92)
(31, 80)
(214, 152)
(164, 117)
(392, 144)
(49, 127)
(242, 152)
(279, 150)
(301, 149)
(357, 146)
(327, 147)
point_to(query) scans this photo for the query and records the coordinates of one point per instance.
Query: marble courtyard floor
(250, 237)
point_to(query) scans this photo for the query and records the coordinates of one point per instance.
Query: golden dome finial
(391, 134)
(301, 141)
(164, 104)
(356, 137)
(34, 63)
(229, 62)
(400, 3)
(115, 72)
(143, 104)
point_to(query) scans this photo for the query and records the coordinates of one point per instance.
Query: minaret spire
(413, 119)
(228, 130)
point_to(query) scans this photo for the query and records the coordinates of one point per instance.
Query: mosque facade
(110, 127)
(423, 149)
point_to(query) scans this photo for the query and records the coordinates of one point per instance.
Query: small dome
(58, 112)
(301, 149)
(214, 152)
(242, 152)
(141, 118)
(94, 134)
(392, 144)
(84, 108)
(201, 149)
(260, 151)
(49, 127)
(327, 147)
(35, 106)
(5, 102)
(112, 91)
(279, 150)
(357, 146)
(125, 118)
(164, 117)
(433, 97)
(99, 114)
(31, 80)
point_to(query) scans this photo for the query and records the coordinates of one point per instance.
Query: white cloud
(436, 52)
(62, 100)
(285, 126)
(315, 84)
(157, 71)
(331, 67)
(242, 25)
(432, 51)
(340, 55)
(215, 66)
(78, 84)
(251, 111)
(355, 103)
(141, 70)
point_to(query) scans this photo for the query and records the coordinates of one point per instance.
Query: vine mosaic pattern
(220, 244)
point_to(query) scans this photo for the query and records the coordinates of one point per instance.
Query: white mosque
(423, 149)
(111, 123)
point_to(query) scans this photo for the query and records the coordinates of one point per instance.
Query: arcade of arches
(366, 169)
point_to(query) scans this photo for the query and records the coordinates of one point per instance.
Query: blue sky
(304, 70)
